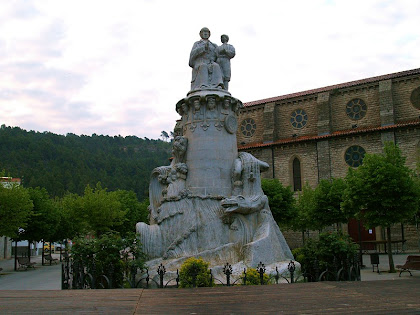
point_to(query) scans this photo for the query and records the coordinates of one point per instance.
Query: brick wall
(402, 89)
(256, 113)
(409, 142)
(338, 101)
(306, 153)
(370, 142)
(284, 112)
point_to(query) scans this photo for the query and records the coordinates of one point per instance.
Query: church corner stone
(208, 202)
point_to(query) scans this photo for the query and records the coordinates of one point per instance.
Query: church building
(320, 133)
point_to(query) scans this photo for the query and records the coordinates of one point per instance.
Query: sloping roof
(9, 179)
(336, 86)
(339, 133)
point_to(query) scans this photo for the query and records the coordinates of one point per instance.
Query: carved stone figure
(211, 108)
(206, 72)
(169, 181)
(225, 106)
(198, 113)
(225, 52)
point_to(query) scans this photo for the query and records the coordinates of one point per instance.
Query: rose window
(356, 109)
(248, 127)
(299, 118)
(354, 155)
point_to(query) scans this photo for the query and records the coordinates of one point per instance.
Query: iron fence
(76, 275)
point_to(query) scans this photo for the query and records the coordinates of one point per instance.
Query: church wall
(401, 93)
(338, 146)
(284, 112)
(338, 101)
(284, 157)
(408, 141)
(257, 114)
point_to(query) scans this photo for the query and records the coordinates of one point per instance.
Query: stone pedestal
(209, 203)
(209, 122)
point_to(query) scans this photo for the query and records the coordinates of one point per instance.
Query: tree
(15, 209)
(62, 164)
(134, 211)
(164, 135)
(73, 220)
(44, 217)
(97, 211)
(382, 191)
(281, 200)
(326, 210)
(304, 205)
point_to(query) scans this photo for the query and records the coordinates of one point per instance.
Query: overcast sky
(119, 67)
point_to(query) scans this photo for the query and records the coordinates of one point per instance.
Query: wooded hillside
(68, 163)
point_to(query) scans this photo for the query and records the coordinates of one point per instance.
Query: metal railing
(77, 276)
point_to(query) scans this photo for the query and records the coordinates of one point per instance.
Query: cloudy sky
(119, 67)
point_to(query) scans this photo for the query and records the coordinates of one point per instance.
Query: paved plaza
(38, 292)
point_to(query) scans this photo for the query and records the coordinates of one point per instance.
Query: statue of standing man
(206, 72)
(225, 52)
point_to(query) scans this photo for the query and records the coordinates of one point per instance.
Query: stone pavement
(373, 297)
(399, 259)
(41, 278)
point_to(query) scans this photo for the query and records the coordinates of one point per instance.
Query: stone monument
(208, 202)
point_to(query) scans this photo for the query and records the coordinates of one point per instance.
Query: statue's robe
(206, 72)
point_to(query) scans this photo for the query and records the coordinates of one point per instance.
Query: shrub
(253, 277)
(195, 273)
(330, 251)
(108, 255)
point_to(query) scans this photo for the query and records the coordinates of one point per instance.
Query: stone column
(324, 128)
(270, 132)
(386, 105)
(324, 119)
(324, 159)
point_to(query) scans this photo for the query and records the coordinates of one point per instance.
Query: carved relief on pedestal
(209, 110)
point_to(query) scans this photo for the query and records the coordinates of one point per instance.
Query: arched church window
(356, 109)
(299, 118)
(354, 155)
(297, 175)
(248, 127)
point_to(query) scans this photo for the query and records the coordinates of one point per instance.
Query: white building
(6, 242)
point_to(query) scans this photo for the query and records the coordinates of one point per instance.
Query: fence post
(62, 277)
(93, 284)
(316, 269)
(261, 271)
(292, 269)
(111, 276)
(147, 278)
(133, 273)
(161, 271)
(277, 276)
(227, 270)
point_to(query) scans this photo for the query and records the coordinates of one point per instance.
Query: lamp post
(20, 231)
